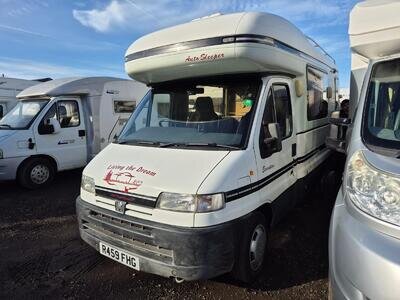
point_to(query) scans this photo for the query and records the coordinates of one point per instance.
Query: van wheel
(253, 245)
(35, 173)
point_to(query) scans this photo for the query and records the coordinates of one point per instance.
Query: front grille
(149, 202)
(134, 236)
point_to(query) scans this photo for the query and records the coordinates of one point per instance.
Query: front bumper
(169, 251)
(9, 167)
(364, 262)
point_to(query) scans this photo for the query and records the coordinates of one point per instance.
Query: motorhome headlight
(87, 184)
(372, 191)
(1, 154)
(191, 203)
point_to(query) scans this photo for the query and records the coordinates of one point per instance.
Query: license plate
(119, 255)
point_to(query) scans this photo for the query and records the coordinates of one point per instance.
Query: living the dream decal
(126, 176)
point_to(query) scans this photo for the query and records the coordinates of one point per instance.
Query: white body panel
(374, 28)
(73, 146)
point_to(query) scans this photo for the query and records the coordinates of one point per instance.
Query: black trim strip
(231, 39)
(255, 186)
(311, 129)
(129, 198)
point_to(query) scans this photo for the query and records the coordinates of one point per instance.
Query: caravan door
(67, 144)
(275, 164)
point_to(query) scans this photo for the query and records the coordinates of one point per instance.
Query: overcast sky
(56, 38)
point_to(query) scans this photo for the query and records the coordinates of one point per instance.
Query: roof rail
(322, 49)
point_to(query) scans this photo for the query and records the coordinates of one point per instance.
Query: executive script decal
(204, 57)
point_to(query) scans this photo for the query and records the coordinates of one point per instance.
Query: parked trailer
(62, 124)
(9, 88)
(364, 240)
(221, 148)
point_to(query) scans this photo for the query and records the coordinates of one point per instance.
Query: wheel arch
(43, 156)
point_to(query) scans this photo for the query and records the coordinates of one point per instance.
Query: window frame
(290, 106)
(308, 66)
(77, 106)
(124, 112)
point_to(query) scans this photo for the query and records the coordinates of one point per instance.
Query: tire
(35, 173)
(253, 247)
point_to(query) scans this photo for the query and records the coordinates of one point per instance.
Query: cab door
(67, 144)
(275, 165)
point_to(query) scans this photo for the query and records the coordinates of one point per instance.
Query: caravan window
(317, 84)
(121, 106)
(1, 111)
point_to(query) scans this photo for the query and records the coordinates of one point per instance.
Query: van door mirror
(329, 92)
(274, 142)
(50, 126)
(338, 130)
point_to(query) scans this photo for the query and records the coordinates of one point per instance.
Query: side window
(68, 113)
(269, 116)
(283, 109)
(160, 109)
(122, 106)
(1, 111)
(317, 101)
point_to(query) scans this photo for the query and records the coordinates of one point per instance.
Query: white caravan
(364, 239)
(62, 124)
(9, 88)
(216, 153)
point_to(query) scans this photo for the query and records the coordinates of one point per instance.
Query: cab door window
(283, 109)
(277, 110)
(68, 113)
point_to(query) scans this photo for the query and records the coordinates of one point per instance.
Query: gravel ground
(43, 256)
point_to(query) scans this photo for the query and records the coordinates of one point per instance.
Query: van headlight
(191, 203)
(87, 184)
(373, 191)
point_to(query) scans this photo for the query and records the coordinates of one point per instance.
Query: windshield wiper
(5, 125)
(211, 145)
(139, 142)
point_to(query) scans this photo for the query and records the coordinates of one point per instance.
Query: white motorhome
(364, 239)
(9, 88)
(221, 148)
(62, 124)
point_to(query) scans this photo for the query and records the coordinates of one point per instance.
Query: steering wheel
(163, 121)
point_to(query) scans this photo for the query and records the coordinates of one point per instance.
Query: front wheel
(251, 259)
(35, 173)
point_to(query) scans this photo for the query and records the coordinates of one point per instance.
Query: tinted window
(317, 83)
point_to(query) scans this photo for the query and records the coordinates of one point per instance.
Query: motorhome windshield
(214, 114)
(23, 114)
(382, 112)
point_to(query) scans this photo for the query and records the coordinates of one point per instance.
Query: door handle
(81, 132)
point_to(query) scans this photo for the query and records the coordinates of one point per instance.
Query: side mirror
(338, 130)
(329, 92)
(53, 126)
(273, 143)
